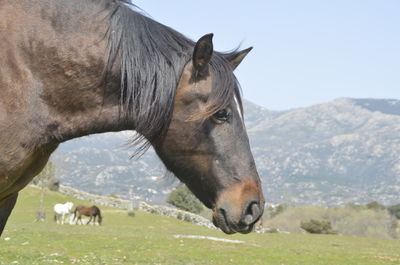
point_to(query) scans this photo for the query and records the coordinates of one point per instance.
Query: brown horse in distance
(91, 212)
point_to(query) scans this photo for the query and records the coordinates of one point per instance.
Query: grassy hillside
(148, 239)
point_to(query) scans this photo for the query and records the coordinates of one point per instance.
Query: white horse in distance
(62, 211)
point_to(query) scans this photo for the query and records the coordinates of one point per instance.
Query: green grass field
(148, 239)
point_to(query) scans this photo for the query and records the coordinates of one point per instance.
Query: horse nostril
(248, 219)
(252, 213)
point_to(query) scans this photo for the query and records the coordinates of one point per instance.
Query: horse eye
(220, 116)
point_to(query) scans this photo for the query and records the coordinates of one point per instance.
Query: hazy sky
(305, 52)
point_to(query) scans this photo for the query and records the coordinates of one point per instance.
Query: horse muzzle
(239, 208)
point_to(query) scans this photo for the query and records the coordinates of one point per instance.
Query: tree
(318, 227)
(183, 199)
(45, 179)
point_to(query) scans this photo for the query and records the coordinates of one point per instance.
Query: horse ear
(202, 53)
(236, 58)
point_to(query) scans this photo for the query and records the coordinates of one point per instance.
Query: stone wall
(142, 206)
(176, 213)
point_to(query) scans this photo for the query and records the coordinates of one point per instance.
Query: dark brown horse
(70, 68)
(91, 212)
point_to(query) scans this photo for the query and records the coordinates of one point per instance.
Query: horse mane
(147, 92)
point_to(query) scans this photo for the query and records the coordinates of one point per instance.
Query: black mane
(151, 58)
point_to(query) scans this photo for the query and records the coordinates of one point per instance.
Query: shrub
(131, 213)
(395, 210)
(345, 220)
(187, 218)
(279, 209)
(271, 212)
(318, 227)
(179, 216)
(183, 199)
(355, 206)
(375, 206)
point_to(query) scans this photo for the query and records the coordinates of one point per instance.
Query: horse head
(69, 206)
(206, 145)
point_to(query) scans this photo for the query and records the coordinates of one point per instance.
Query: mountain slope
(332, 153)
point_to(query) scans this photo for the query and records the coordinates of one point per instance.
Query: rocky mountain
(342, 151)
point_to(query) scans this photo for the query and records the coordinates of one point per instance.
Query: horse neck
(67, 63)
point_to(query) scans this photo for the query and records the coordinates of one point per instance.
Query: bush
(179, 216)
(183, 199)
(395, 210)
(318, 227)
(131, 213)
(271, 212)
(355, 206)
(348, 221)
(279, 209)
(376, 206)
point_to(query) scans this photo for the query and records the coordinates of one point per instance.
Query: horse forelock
(147, 92)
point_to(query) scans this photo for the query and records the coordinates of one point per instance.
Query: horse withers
(91, 212)
(62, 211)
(76, 67)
